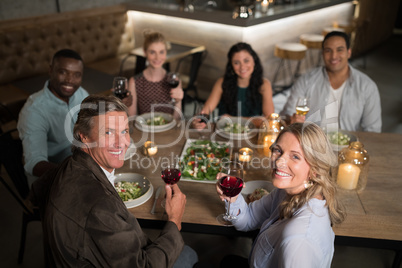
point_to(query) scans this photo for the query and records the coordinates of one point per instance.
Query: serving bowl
(141, 122)
(343, 133)
(223, 121)
(252, 185)
(146, 187)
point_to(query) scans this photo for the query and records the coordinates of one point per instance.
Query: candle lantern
(150, 148)
(245, 154)
(351, 173)
(268, 132)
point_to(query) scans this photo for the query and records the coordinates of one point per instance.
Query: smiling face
(65, 77)
(108, 140)
(156, 54)
(336, 54)
(289, 167)
(243, 64)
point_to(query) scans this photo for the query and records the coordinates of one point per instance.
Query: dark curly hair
(229, 85)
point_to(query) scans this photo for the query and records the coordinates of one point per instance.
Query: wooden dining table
(374, 215)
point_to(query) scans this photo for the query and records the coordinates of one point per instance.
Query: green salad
(236, 128)
(128, 190)
(156, 121)
(338, 138)
(202, 159)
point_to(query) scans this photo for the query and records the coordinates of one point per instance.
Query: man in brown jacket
(85, 222)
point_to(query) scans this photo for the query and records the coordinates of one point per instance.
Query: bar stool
(327, 30)
(314, 44)
(288, 52)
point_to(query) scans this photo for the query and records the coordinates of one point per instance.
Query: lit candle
(150, 148)
(268, 141)
(245, 154)
(264, 6)
(348, 176)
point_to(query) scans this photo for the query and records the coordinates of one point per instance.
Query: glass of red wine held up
(170, 173)
(230, 181)
(120, 87)
(173, 81)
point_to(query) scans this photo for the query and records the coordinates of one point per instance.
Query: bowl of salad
(340, 139)
(235, 128)
(154, 122)
(133, 188)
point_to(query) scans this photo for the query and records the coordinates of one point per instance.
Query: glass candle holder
(245, 154)
(351, 173)
(150, 148)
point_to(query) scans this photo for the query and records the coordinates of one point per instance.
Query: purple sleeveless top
(149, 93)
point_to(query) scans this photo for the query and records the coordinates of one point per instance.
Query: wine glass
(173, 81)
(170, 173)
(120, 87)
(302, 106)
(204, 115)
(231, 183)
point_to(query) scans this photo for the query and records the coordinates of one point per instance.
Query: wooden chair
(313, 42)
(11, 159)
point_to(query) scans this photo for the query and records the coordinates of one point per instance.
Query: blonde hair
(319, 155)
(151, 37)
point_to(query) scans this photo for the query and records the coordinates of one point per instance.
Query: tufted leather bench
(102, 36)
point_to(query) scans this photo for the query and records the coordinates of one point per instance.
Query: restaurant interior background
(377, 52)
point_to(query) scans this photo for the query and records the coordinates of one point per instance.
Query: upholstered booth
(102, 36)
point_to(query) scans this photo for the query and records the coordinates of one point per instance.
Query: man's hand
(295, 118)
(175, 204)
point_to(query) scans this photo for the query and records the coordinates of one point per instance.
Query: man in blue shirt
(46, 121)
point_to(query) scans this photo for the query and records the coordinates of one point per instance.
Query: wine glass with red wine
(230, 181)
(120, 87)
(203, 115)
(173, 81)
(170, 173)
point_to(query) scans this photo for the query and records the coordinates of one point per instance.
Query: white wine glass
(230, 181)
(302, 106)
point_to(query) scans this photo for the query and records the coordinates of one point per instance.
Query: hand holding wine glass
(120, 86)
(302, 106)
(171, 173)
(230, 184)
(173, 81)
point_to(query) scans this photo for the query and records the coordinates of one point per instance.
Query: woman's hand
(220, 192)
(177, 93)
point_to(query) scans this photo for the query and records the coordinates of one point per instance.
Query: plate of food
(340, 139)
(235, 128)
(133, 188)
(201, 160)
(154, 122)
(255, 190)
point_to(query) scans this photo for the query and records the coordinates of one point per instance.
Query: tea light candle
(150, 148)
(348, 176)
(245, 154)
(268, 141)
(264, 6)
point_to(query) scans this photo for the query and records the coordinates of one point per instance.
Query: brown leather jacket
(85, 223)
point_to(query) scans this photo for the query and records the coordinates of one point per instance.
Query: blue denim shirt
(305, 241)
(360, 107)
(41, 126)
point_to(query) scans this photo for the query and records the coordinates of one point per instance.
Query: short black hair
(337, 33)
(67, 53)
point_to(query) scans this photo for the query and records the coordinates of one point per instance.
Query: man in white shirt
(340, 96)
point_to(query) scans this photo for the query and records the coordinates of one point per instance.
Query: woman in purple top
(295, 220)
